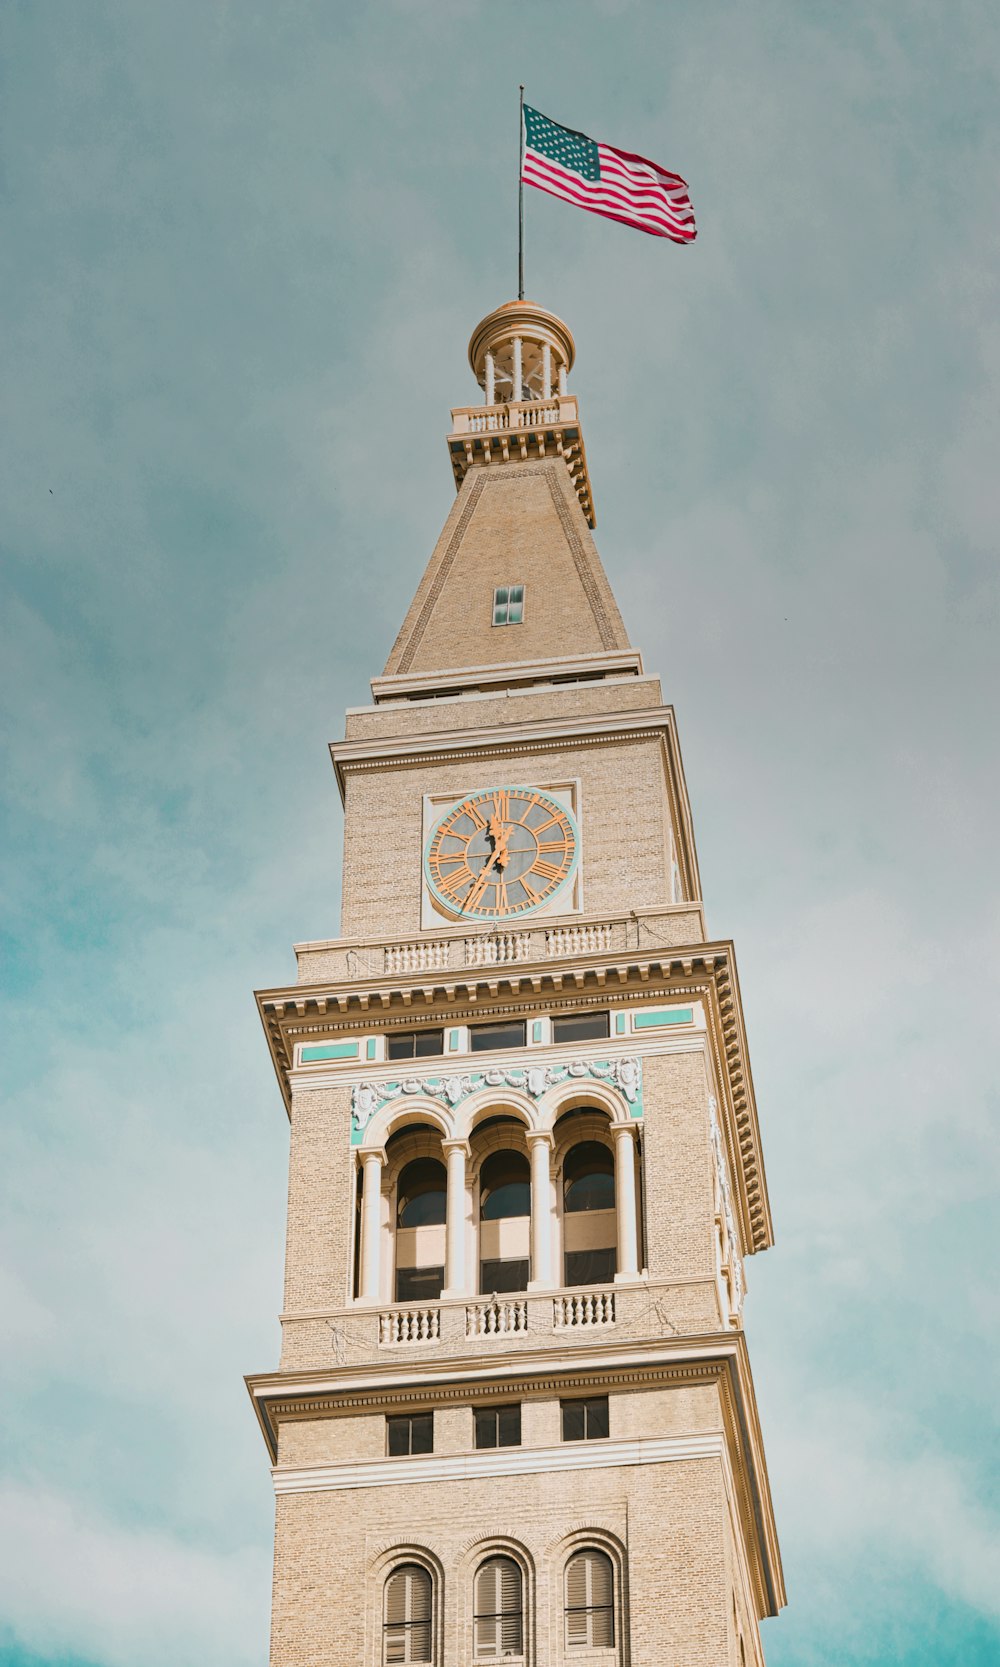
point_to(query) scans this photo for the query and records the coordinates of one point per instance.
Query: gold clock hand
(496, 857)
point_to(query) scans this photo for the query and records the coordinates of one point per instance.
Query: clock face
(504, 851)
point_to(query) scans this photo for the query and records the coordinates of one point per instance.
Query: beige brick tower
(514, 1416)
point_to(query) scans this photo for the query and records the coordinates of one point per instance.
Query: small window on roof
(508, 605)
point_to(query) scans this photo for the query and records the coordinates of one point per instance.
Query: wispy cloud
(246, 247)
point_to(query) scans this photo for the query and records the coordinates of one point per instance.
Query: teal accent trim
(619, 1024)
(370, 1048)
(536, 1031)
(368, 1098)
(453, 1041)
(330, 1050)
(672, 1016)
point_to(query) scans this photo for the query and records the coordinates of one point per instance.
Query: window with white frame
(508, 605)
(590, 1601)
(499, 1609)
(407, 1617)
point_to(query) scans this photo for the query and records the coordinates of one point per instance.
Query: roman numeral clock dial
(502, 852)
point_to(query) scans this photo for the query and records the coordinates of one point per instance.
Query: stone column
(540, 1145)
(518, 379)
(371, 1225)
(562, 379)
(490, 379)
(628, 1225)
(456, 1153)
(546, 371)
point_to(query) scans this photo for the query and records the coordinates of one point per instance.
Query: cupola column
(490, 385)
(518, 373)
(457, 1153)
(562, 378)
(371, 1224)
(625, 1201)
(546, 371)
(540, 1145)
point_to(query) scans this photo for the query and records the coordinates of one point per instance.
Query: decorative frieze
(369, 1097)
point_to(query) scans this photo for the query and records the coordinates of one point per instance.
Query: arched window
(406, 1629)
(422, 1194)
(590, 1601)
(588, 1178)
(499, 1609)
(504, 1186)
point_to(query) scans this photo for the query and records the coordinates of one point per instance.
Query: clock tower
(514, 1416)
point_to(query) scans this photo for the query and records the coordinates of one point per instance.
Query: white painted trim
(497, 1461)
(628, 724)
(397, 684)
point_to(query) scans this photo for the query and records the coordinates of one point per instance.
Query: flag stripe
(610, 205)
(606, 187)
(612, 210)
(657, 218)
(620, 185)
(677, 196)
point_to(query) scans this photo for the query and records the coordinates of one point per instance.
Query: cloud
(73, 1584)
(245, 253)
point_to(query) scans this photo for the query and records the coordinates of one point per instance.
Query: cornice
(719, 1360)
(704, 971)
(539, 735)
(482, 678)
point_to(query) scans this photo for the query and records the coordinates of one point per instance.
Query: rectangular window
(483, 1038)
(503, 1277)
(419, 1284)
(585, 1420)
(414, 1044)
(413, 1433)
(590, 1267)
(498, 1426)
(580, 1027)
(508, 605)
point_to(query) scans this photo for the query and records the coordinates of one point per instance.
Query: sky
(244, 247)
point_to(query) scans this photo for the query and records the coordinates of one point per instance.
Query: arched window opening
(406, 1628)
(504, 1223)
(590, 1601)
(499, 1609)
(504, 1186)
(590, 1227)
(422, 1194)
(421, 1209)
(589, 1178)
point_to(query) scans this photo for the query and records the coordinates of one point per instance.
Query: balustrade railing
(409, 1325)
(415, 957)
(583, 1308)
(491, 419)
(498, 949)
(500, 1318)
(579, 940)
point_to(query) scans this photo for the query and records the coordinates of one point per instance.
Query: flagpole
(520, 202)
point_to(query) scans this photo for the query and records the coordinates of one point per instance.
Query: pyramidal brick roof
(512, 524)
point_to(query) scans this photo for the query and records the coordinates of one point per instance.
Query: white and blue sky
(244, 246)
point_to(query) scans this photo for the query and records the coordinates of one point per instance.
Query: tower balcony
(505, 1325)
(456, 949)
(519, 431)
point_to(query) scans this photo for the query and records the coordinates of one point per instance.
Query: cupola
(521, 356)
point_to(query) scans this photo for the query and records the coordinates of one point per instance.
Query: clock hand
(496, 859)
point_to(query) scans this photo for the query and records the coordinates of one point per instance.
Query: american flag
(611, 182)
